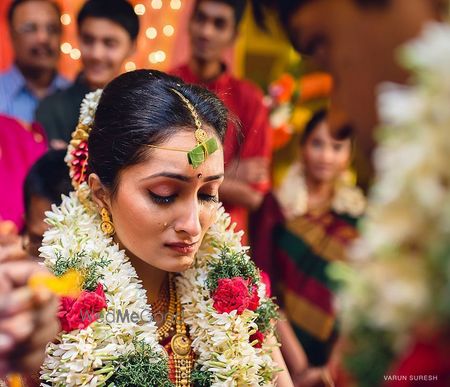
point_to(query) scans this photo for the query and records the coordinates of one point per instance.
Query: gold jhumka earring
(106, 225)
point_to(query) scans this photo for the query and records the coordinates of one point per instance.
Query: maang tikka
(205, 146)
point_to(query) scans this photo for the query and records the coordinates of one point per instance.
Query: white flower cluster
(403, 270)
(89, 106)
(221, 340)
(85, 357)
(293, 195)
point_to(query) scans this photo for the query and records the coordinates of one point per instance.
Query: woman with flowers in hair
(169, 296)
(305, 225)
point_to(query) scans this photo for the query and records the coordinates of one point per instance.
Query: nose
(327, 155)
(42, 34)
(189, 220)
(207, 30)
(95, 51)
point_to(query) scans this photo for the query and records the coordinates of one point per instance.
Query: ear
(100, 194)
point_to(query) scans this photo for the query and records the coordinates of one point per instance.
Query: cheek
(207, 216)
(310, 156)
(134, 218)
(224, 38)
(340, 162)
(115, 58)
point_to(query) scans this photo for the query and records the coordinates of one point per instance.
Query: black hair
(16, 3)
(140, 108)
(237, 5)
(48, 178)
(286, 8)
(344, 133)
(118, 11)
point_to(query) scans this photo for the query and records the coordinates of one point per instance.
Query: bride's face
(163, 207)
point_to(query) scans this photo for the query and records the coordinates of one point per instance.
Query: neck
(319, 192)
(205, 70)
(152, 278)
(92, 85)
(38, 80)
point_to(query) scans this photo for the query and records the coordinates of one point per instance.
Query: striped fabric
(304, 247)
(17, 100)
(297, 259)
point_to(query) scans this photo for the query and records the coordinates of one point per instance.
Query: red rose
(231, 294)
(78, 313)
(259, 337)
(265, 279)
(254, 301)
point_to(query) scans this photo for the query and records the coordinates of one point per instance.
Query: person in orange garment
(213, 28)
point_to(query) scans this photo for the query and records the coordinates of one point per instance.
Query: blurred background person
(213, 29)
(107, 33)
(20, 146)
(46, 181)
(394, 337)
(35, 32)
(308, 222)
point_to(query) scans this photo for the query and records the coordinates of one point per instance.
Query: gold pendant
(181, 345)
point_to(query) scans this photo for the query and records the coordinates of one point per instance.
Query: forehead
(214, 9)
(172, 161)
(35, 10)
(102, 28)
(322, 131)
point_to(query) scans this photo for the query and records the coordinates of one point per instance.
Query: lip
(182, 247)
(96, 69)
(203, 44)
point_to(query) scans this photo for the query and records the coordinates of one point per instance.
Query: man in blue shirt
(35, 30)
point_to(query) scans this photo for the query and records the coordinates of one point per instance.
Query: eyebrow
(183, 178)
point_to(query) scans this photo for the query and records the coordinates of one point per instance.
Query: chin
(44, 65)
(183, 263)
(204, 57)
(98, 83)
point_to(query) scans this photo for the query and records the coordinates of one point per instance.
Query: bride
(169, 296)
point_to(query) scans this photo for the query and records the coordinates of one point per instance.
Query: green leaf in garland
(231, 264)
(141, 368)
(91, 271)
(201, 378)
(267, 312)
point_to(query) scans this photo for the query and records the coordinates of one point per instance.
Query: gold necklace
(164, 330)
(182, 353)
(180, 343)
(162, 302)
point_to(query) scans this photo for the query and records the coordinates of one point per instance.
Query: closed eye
(208, 198)
(158, 199)
(169, 199)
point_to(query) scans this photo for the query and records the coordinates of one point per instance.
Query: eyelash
(165, 200)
